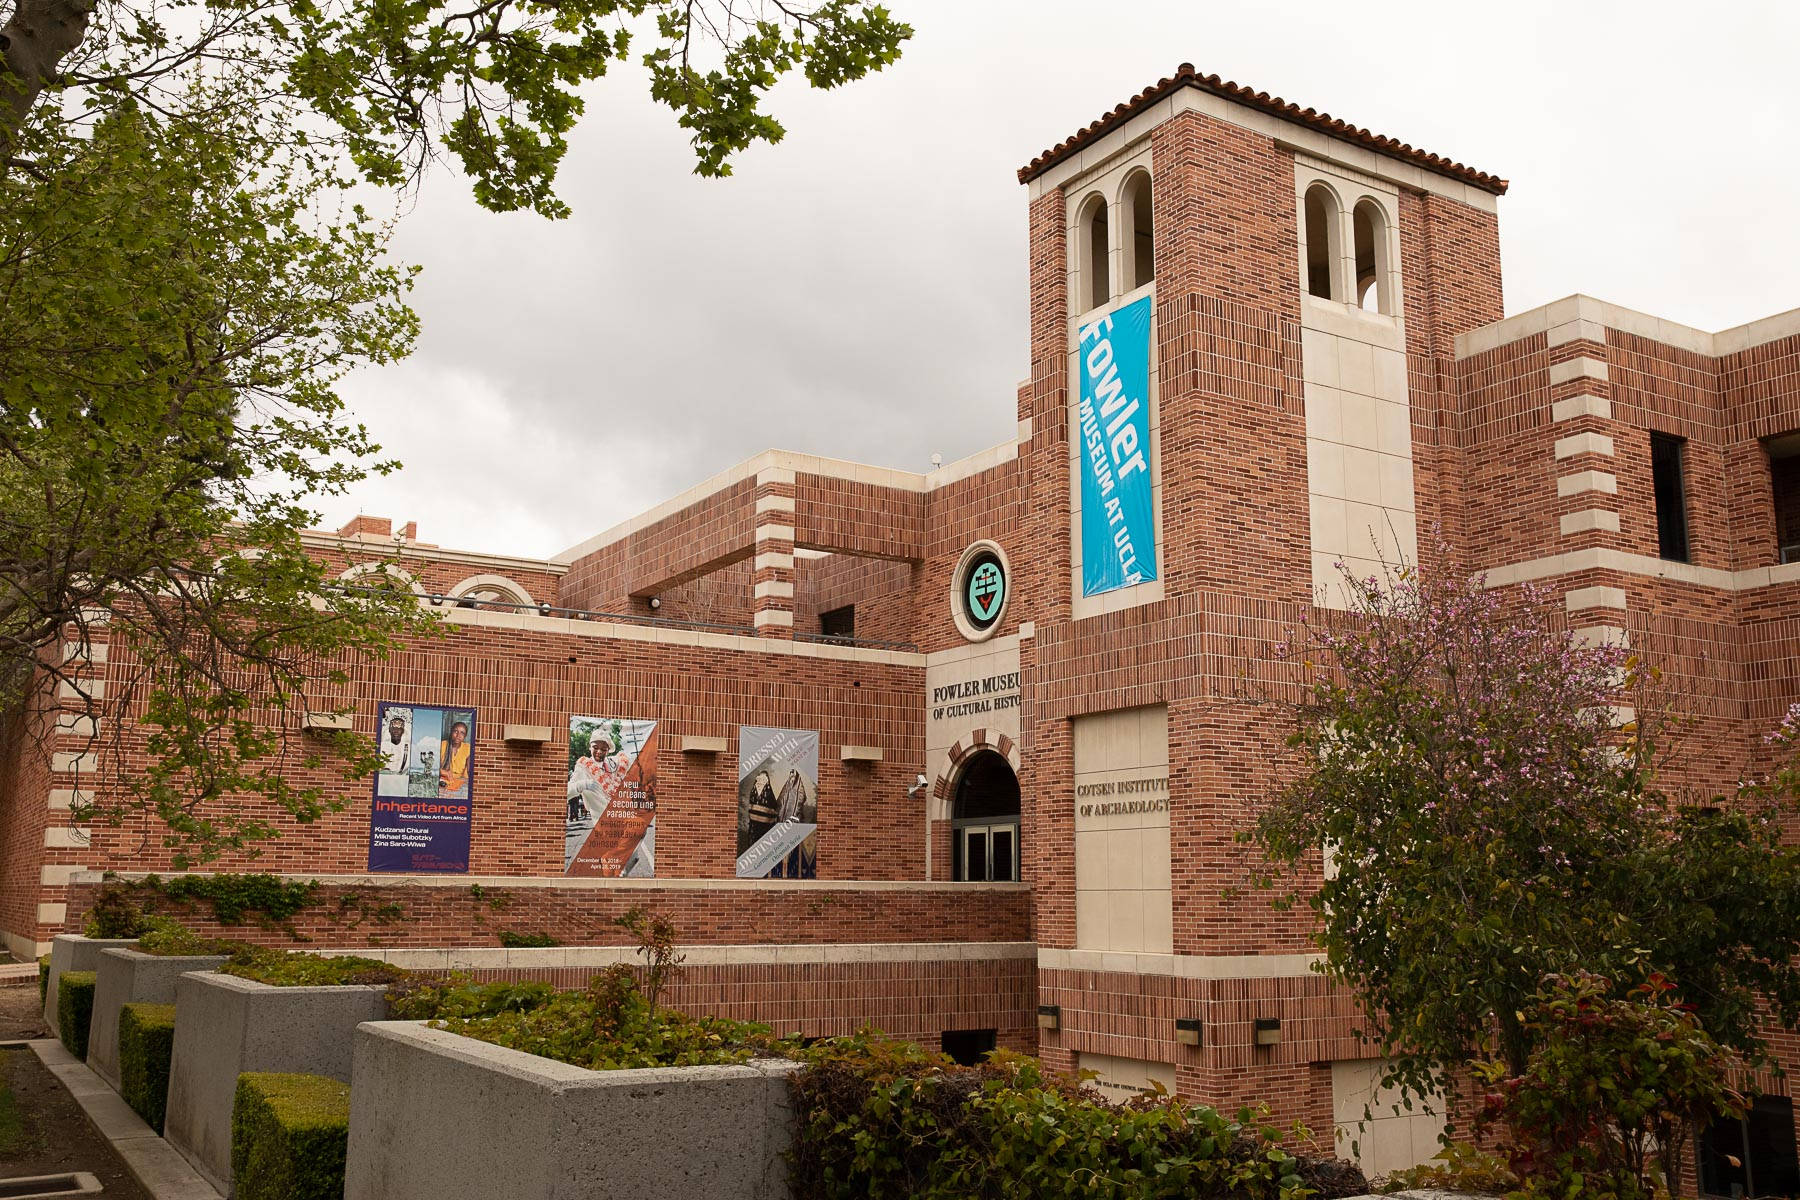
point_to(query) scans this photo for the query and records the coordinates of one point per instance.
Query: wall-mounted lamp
(1268, 1031)
(543, 608)
(437, 599)
(1049, 1016)
(1187, 1030)
(655, 602)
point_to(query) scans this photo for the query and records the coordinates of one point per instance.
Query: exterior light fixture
(437, 600)
(655, 602)
(1187, 1030)
(1049, 1016)
(543, 608)
(1268, 1031)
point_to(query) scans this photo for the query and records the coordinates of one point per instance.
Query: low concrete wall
(225, 1026)
(130, 977)
(72, 952)
(436, 1116)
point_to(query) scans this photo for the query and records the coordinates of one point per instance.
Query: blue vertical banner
(1118, 513)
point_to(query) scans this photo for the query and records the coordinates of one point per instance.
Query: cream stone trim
(776, 954)
(1584, 316)
(96, 652)
(860, 754)
(1577, 368)
(72, 689)
(1587, 481)
(1181, 966)
(474, 558)
(584, 883)
(695, 744)
(67, 837)
(976, 463)
(775, 475)
(772, 561)
(774, 533)
(62, 874)
(1602, 635)
(1594, 597)
(77, 725)
(528, 734)
(73, 764)
(784, 504)
(1583, 443)
(1606, 559)
(52, 912)
(771, 616)
(64, 799)
(773, 587)
(23, 948)
(1589, 520)
(327, 722)
(512, 588)
(1584, 405)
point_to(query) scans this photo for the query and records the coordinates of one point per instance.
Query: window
(1784, 480)
(1671, 496)
(838, 622)
(968, 1047)
(1370, 231)
(1321, 242)
(1095, 248)
(1753, 1156)
(984, 825)
(1139, 240)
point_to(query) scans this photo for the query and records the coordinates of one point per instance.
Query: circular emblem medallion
(984, 593)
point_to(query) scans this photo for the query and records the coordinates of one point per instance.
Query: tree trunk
(33, 43)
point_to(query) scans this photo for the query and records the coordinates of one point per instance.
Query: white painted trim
(1589, 520)
(1583, 443)
(585, 883)
(1181, 966)
(1584, 405)
(1587, 481)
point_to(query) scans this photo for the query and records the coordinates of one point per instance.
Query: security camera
(917, 787)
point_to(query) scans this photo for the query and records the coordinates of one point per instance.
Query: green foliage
(423, 997)
(1455, 748)
(289, 1135)
(270, 899)
(286, 968)
(146, 1042)
(15, 1132)
(1614, 1091)
(43, 979)
(611, 1026)
(75, 1010)
(1458, 1167)
(114, 915)
(526, 940)
(166, 937)
(886, 1118)
(654, 937)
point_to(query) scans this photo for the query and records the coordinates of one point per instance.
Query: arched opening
(1370, 225)
(479, 590)
(984, 820)
(1096, 245)
(1140, 242)
(1321, 242)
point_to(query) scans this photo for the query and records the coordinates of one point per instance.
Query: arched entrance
(984, 820)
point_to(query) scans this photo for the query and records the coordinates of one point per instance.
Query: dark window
(1754, 1156)
(1671, 496)
(968, 1046)
(838, 622)
(984, 825)
(1784, 480)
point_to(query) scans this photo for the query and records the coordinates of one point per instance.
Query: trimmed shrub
(146, 1040)
(43, 980)
(285, 968)
(288, 1137)
(526, 941)
(114, 915)
(74, 1010)
(425, 997)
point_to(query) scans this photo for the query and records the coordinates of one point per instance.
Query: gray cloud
(859, 290)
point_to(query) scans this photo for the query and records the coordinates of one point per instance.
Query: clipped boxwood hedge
(43, 980)
(146, 1039)
(288, 1137)
(74, 1010)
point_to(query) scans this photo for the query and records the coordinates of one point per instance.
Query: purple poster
(420, 819)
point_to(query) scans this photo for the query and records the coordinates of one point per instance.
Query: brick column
(773, 567)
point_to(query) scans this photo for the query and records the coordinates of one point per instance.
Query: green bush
(442, 997)
(610, 1026)
(74, 1009)
(43, 980)
(884, 1118)
(114, 915)
(288, 1137)
(287, 968)
(146, 1039)
(232, 897)
(527, 941)
(170, 938)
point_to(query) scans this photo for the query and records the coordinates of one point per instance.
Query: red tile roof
(1186, 76)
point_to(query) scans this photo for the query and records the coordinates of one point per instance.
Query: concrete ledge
(694, 744)
(436, 1116)
(72, 952)
(524, 733)
(327, 722)
(225, 1026)
(860, 753)
(81, 875)
(157, 1168)
(131, 977)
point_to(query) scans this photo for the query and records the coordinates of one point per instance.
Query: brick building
(1262, 341)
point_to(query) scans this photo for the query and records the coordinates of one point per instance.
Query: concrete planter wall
(436, 1116)
(131, 977)
(72, 952)
(225, 1026)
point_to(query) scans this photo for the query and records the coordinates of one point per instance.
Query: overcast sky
(858, 290)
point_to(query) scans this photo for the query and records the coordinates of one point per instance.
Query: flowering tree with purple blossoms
(1491, 816)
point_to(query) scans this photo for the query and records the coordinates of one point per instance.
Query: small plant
(422, 997)
(526, 941)
(114, 915)
(1458, 1167)
(270, 900)
(654, 936)
(1613, 1093)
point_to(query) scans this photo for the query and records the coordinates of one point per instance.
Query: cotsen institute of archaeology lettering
(1147, 789)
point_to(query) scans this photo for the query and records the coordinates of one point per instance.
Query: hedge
(74, 1010)
(43, 980)
(146, 1039)
(288, 1137)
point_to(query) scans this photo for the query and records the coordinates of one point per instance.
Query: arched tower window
(984, 820)
(1370, 225)
(1322, 243)
(1139, 240)
(1096, 244)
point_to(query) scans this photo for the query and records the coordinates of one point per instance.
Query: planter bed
(438, 1116)
(132, 977)
(72, 952)
(226, 1026)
